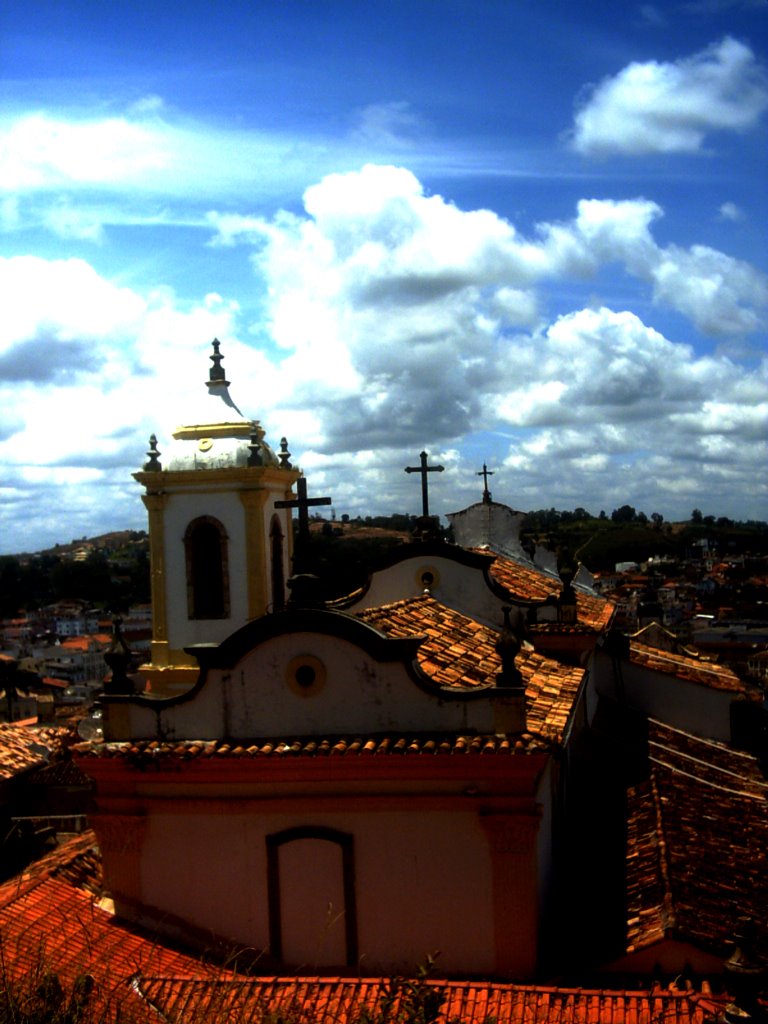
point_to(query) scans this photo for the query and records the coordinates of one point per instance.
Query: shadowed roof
(697, 844)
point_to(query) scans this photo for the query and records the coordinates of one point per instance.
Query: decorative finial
(284, 455)
(254, 448)
(216, 373)
(118, 658)
(152, 465)
(485, 473)
(508, 647)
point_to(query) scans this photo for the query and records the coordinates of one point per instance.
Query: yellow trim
(165, 682)
(202, 479)
(255, 550)
(237, 428)
(155, 505)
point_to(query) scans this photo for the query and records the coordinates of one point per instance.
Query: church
(346, 788)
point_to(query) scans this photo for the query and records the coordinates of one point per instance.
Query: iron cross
(485, 473)
(424, 469)
(303, 504)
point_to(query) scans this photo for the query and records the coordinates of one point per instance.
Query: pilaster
(514, 865)
(155, 505)
(257, 573)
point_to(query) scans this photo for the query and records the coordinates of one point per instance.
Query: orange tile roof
(531, 584)
(338, 1000)
(49, 923)
(143, 751)
(706, 673)
(697, 844)
(460, 652)
(77, 861)
(50, 926)
(21, 748)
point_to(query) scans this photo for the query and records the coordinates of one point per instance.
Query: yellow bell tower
(219, 548)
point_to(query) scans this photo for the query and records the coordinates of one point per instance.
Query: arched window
(205, 544)
(311, 896)
(278, 575)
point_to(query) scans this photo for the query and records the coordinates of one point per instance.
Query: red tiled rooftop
(22, 747)
(458, 651)
(338, 1000)
(697, 844)
(142, 751)
(531, 584)
(706, 673)
(52, 927)
(77, 861)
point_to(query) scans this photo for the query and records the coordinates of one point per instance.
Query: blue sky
(530, 234)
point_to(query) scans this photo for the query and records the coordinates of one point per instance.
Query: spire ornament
(284, 455)
(255, 457)
(152, 465)
(216, 373)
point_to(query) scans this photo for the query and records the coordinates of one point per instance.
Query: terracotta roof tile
(77, 861)
(697, 844)
(336, 1000)
(143, 752)
(49, 926)
(531, 584)
(458, 651)
(23, 747)
(707, 673)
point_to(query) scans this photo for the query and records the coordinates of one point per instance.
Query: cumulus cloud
(658, 107)
(395, 321)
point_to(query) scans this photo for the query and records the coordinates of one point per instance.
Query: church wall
(261, 696)
(693, 708)
(422, 882)
(458, 586)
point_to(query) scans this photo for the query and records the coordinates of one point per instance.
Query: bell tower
(219, 548)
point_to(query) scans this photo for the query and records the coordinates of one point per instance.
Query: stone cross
(303, 504)
(485, 473)
(424, 469)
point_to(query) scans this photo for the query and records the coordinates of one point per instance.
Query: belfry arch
(207, 561)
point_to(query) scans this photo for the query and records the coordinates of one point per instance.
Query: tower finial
(152, 465)
(216, 373)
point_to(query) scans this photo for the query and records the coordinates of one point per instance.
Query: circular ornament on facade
(427, 577)
(205, 445)
(305, 675)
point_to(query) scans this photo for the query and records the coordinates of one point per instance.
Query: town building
(464, 755)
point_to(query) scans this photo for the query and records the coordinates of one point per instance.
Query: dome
(214, 451)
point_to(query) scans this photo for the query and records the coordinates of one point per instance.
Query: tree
(696, 516)
(625, 514)
(657, 519)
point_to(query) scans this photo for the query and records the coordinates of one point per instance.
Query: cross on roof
(485, 473)
(424, 469)
(303, 504)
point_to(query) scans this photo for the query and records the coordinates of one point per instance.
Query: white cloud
(42, 151)
(387, 124)
(395, 321)
(657, 107)
(730, 211)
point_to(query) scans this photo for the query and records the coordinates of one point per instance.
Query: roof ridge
(760, 784)
(706, 782)
(700, 739)
(668, 915)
